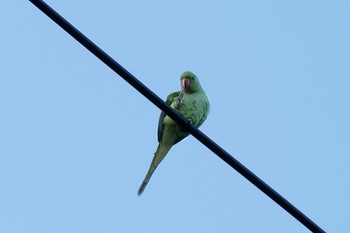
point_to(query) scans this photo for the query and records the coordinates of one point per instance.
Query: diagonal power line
(151, 96)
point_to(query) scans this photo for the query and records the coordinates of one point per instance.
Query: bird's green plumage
(192, 103)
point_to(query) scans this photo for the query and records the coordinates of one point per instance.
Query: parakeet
(192, 103)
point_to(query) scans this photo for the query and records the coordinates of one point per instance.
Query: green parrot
(192, 103)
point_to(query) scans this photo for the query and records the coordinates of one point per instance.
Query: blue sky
(77, 140)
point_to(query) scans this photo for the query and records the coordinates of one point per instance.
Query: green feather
(192, 103)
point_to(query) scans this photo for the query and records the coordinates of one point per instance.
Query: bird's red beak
(185, 83)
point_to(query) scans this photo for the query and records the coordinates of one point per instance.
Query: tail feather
(159, 155)
(142, 187)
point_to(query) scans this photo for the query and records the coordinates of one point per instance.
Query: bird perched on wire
(192, 103)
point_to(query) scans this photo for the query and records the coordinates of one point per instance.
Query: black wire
(110, 62)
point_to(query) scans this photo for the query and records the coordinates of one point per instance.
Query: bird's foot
(179, 99)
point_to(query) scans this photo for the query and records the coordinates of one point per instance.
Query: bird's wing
(169, 100)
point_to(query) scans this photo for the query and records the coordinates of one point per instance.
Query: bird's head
(190, 82)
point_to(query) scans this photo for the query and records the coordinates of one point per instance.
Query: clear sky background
(76, 140)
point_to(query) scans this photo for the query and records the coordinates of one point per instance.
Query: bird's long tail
(159, 155)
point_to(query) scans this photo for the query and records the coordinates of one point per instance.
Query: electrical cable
(151, 96)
